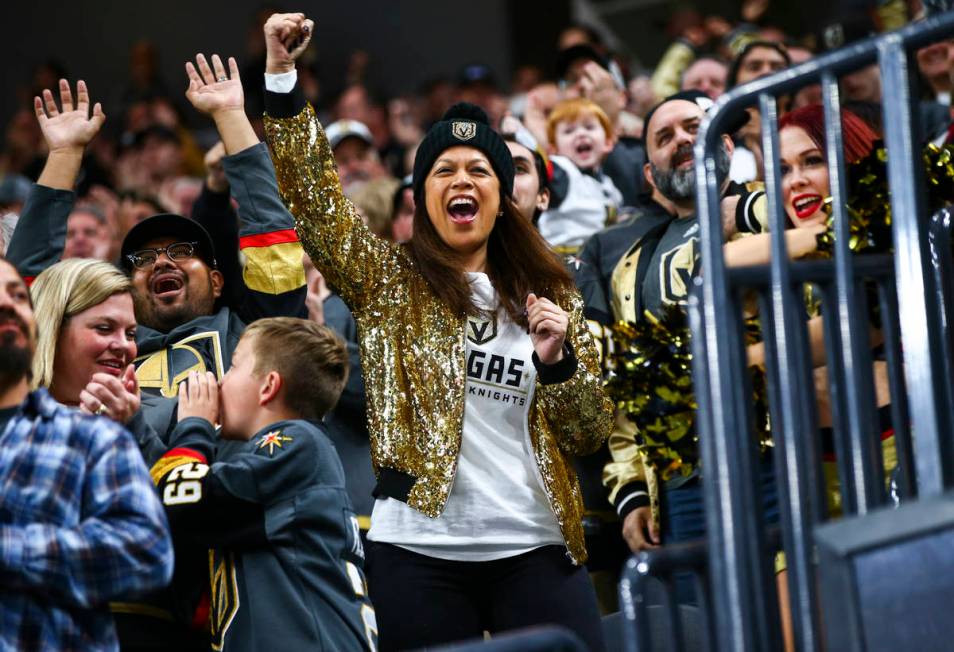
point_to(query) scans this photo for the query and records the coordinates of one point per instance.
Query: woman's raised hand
(286, 37)
(548, 324)
(212, 90)
(117, 398)
(70, 128)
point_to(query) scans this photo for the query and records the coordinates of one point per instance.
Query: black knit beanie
(463, 124)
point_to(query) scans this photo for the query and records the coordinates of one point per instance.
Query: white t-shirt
(589, 201)
(497, 507)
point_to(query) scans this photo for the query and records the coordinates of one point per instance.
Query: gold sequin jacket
(413, 346)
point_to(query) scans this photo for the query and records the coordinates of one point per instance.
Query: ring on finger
(101, 410)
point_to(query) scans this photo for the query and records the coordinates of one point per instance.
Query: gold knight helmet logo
(224, 602)
(463, 130)
(481, 331)
(161, 371)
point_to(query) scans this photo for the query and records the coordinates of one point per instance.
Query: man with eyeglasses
(192, 297)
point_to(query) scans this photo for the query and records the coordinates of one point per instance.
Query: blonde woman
(87, 343)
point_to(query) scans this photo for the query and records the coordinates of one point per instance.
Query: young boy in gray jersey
(286, 559)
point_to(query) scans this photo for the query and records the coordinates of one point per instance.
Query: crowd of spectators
(151, 159)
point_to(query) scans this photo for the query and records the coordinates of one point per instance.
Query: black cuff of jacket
(625, 505)
(285, 105)
(192, 425)
(558, 372)
(393, 484)
(745, 219)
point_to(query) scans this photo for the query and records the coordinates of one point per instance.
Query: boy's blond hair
(574, 109)
(311, 359)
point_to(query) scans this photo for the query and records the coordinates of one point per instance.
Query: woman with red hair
(805, 185)
(804, 168)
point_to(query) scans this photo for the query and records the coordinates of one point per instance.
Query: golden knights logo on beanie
(463, 130)
(463, 124)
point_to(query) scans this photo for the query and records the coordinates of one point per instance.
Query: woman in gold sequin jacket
(482, 377)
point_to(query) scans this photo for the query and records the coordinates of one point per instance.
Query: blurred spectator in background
(864, 86)
(756, 59)
(88, 234)
(936, 63)
(358, 104)
(402, 213)
(706, 74)
(14, 189)
(374, 201)
(144, 78)
(355, 153)
(476, 84)
(641, 96)
(811, 94)
(580, 34)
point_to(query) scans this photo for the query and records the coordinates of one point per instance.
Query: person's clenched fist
(286, 37)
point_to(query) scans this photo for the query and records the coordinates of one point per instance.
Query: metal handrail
(737, 570)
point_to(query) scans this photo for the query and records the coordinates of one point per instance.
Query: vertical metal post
(733, 608)
(855, 361)
(796, 389)
(920, 319)
(900, 414)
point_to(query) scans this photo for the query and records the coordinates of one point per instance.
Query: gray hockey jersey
(286, 557)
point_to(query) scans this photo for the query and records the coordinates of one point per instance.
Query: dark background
(409, 41)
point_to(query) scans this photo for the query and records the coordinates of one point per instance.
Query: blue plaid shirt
(80, 525)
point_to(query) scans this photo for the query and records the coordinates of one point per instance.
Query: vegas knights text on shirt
(490, 375)
(497, 506)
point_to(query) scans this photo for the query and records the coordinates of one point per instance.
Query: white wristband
(282, 82)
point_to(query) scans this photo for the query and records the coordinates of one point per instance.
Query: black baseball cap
(167, 225)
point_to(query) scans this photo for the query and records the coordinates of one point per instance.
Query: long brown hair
(519, 262)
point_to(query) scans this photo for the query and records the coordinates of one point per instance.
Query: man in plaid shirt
(80, 522)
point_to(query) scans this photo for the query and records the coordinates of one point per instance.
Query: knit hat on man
(463, 124)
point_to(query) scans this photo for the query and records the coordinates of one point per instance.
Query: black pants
(424, 601)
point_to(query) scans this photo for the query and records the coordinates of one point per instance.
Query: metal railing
(740, 575)
(915, 319)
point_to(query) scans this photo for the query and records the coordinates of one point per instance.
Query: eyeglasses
(175, 251)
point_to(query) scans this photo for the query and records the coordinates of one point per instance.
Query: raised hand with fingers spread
(211, 90)
(219, 94)
(67, 130)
